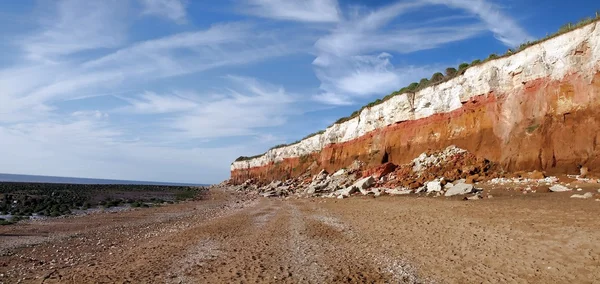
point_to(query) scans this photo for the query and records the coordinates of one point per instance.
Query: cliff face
(534, 110)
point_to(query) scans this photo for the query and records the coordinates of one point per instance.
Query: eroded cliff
(533, 110)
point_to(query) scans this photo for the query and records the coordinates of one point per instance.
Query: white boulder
(459, 189)
(398, 191)
(559, 188)
(434, 186)
(583, 196)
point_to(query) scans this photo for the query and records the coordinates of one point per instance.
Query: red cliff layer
(546, 125)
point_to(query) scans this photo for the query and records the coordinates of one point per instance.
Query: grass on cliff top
(438, 78)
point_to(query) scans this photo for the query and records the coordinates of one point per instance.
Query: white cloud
(90, 114)
(504, 27)
(343, 81)
(241, 110)
(348, 69)
(152, 103)
(295, 10)
(170, 9)
(75, 26)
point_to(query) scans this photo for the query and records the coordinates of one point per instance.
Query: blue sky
(174, 90)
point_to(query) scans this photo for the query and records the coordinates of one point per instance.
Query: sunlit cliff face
(531, 110)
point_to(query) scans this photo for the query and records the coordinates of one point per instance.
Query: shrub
(413, 86)
(475, 62)
(437, 77)
(423, 83)
(492, 56)
(450, 71)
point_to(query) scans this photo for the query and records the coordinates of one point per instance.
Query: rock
(578, 189)
(472, 179)
(398, 191)
(339, 173)
(320, 176)
(271, 193)
(583, 196)
(434, 186)
(474, 197)
(380, 171)
(364, 184)
(421, 189)
(598, 190)
(355, 166)
(341, 197)
(583, 172)
(448, 185)
(459, 189)
(415, 185)
(490, 196)
(559, 188)
(347, 191)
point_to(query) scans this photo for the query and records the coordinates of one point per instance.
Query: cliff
(533, 110)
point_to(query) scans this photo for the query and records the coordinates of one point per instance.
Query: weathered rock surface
(459, 189)
(434, 186)
(361, 185)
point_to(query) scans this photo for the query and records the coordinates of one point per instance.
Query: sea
(70, 180)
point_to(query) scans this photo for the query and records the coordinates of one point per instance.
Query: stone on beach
(583, 196)
(459, 189)
(559, 188)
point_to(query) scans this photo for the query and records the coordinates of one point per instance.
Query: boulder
(434, 186)
(348, 191)
(583, 196)
(364, 184)
(339, 173)
(398, 191)
(459, 189)
(559, 188)
(380, 171)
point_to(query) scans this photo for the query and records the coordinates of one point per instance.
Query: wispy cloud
(504, 27)
(345, 80)
(241, 109)
(73, 26)
(303, 11)
(170, 9)
(152, 103)
(353, 61)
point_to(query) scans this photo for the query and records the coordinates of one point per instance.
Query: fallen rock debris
(450, 172)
